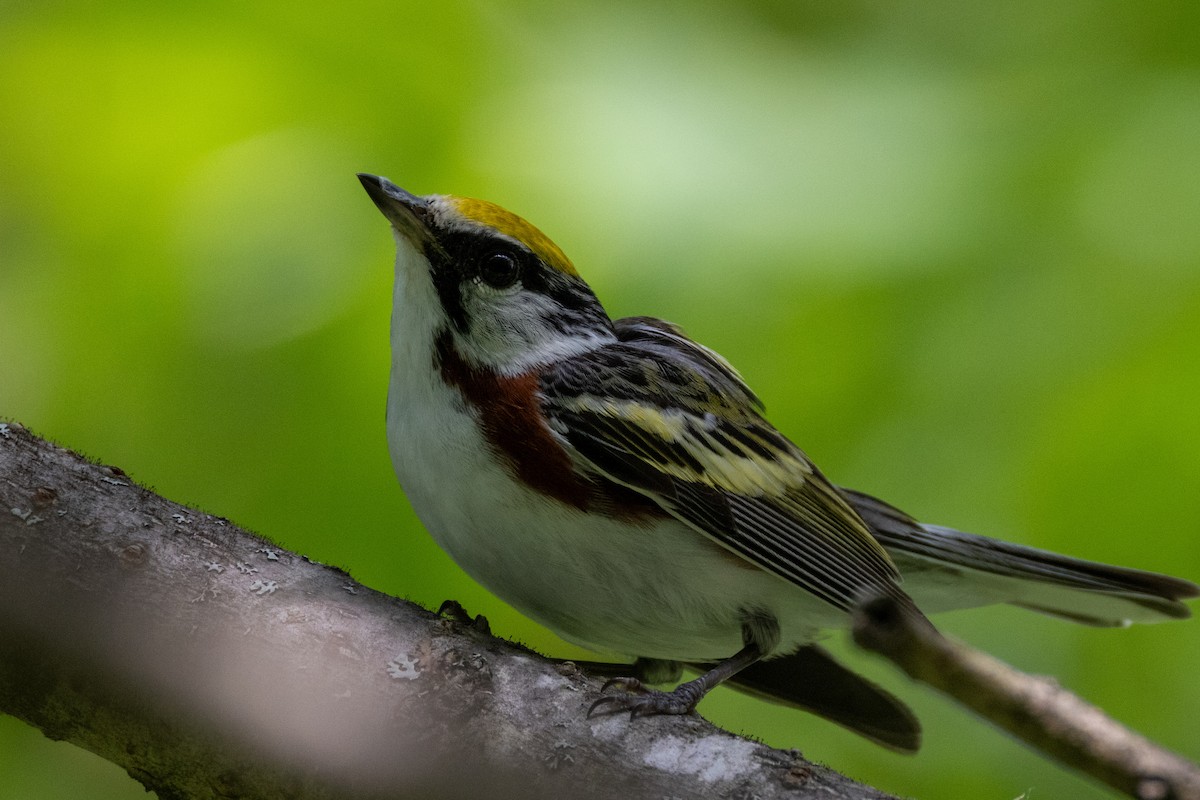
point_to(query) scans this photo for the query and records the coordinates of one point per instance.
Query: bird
(619, 483)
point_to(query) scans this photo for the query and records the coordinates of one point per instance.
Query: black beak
(408, 213)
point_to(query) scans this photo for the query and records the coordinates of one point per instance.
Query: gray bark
(209, 663)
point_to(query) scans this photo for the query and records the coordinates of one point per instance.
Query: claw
(452, 609)
(628, 684)
(601, 701)
(642, 702)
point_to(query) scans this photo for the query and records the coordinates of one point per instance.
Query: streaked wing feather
(767, 534)
(651, 329)
(663, 416)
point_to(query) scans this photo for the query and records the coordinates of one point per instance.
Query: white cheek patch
(511, 331)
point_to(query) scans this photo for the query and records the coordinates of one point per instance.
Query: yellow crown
(509, 224)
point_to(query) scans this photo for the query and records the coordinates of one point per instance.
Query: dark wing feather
(668, 418)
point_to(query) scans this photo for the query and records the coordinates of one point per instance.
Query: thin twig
(1034, 709)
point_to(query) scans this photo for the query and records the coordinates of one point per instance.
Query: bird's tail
(810, 679)
(946, 569)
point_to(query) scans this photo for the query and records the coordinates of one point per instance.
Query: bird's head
(500, 288)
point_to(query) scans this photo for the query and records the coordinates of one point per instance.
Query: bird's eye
(499, 269)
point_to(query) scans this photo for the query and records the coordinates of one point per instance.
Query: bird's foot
(452, 609)
(640, 701)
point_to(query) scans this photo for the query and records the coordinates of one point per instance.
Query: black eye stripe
(446, 282)
(459, 258)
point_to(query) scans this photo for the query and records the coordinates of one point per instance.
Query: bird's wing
(672, 420)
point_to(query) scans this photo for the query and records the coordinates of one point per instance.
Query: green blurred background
(956, 250)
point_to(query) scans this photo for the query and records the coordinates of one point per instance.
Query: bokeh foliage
(954, 247)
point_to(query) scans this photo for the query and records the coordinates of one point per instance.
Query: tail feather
(810, 679)
(953, 569)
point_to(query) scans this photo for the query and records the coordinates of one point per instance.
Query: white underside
(664, 591)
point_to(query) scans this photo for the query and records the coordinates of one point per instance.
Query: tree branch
(209, 663)
(1034, 709)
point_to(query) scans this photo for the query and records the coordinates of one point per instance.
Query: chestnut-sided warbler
(618, 483)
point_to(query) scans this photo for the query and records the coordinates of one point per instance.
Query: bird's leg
(759, 632)
(640, 701)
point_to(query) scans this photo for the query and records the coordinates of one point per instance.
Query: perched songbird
(618, 483)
